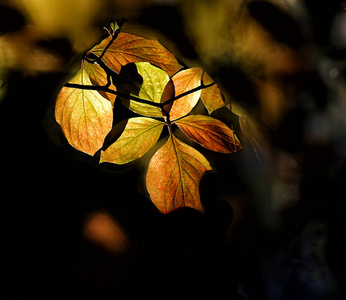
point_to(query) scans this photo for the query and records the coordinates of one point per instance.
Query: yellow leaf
(84, 115)
(99, 77)
(154, 83)
(138, 137)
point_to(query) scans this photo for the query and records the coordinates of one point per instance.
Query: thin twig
(202, 86)
(105, 28)
(140, 100)
(115, 35)
(202, 82)
(93, 58)
(108, 90)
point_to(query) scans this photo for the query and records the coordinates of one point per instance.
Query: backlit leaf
(210, 133)
(129, 48)
(211, 96)
(173, 176)
(139, 136)
(184, 81)
(84, 115)
(114, 26)
(99, 77)
(154, 83)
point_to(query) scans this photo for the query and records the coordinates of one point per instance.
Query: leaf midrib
(133, 138)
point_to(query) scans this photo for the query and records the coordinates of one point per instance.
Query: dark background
(245, 245)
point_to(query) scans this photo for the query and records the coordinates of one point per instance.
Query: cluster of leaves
(147, 79)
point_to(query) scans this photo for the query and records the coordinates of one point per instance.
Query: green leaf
(173, 176)
(114, 26)
(154, 83)
(138, 137)
(84, 115)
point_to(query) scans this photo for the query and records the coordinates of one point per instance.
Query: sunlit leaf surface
(210, 133)
(138, 137)
(154, 83)
(184, 81)
(129, 48)
(84, 115)
(173, 176)
(211, 96)
(99, 77)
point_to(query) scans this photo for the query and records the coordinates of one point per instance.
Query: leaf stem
(109, 44)
(169, 125)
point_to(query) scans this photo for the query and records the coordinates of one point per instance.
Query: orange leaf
(173, 176)
(211, 96)
(99, 77)
(184, 81)
(84, 115)
(210, 133)
(138, 137)
(129, 48)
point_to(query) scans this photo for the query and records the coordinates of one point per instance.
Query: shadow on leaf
(129, 81)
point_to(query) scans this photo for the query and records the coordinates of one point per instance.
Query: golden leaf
(84, 115)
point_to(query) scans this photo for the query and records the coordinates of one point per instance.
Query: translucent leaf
(99, 77)
(184, 81)
(129, 48)
(173, 176)
(154, 83)
(114, 26)
(211, 96)
(84, 115)
(138, 137)
(210, 133)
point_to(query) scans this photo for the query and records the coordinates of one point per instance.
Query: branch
(140, 100)
(114, 36)
(202, 86)
(93, 58)
(108, 90)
